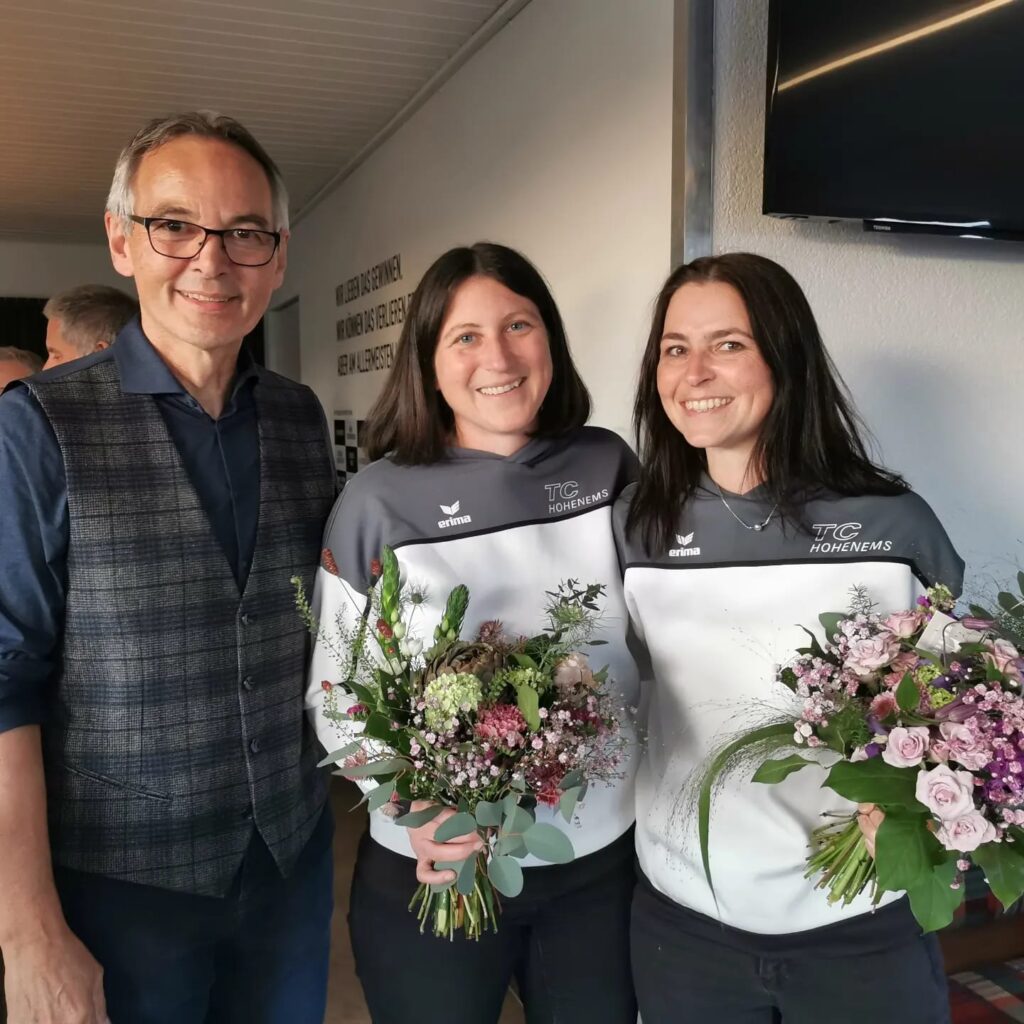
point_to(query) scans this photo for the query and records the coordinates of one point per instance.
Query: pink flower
(946, 793)
(1002, 656)
(965, 746)
(966, 833)
(503, 725)
(883, 706)
(869, 654)
(905, 661)
(906, 747)
(904, 624)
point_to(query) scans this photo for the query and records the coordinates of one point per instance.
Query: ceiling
(318, 82)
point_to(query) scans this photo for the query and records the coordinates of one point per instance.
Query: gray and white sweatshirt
(718, 611)
(510, 528)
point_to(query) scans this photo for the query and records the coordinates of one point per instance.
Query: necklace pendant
(758, 527)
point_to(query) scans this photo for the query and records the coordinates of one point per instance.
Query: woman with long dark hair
(486, 475)
(758, 508)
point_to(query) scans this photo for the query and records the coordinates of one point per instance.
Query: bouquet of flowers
(921, 714)
(491, 726)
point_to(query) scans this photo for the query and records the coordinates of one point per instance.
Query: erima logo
(841, 538)
(454, 519)
(684, 550)
(565, 497)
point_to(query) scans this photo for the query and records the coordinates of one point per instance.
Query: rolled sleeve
(33, 558)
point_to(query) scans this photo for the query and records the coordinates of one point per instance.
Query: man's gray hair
(90, 314)
(208, 125)
(8, 353)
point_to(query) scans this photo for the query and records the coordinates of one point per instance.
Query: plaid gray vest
(178, 719)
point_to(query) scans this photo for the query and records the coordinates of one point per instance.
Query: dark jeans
(565, 940)
(258, 956)
(689, 973)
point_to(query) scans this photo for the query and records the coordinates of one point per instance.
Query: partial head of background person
(810, 437)
(411, 421)
(17, 363)
(197, 214)
(85, 319)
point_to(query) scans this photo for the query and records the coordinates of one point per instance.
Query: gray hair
(208, 125)
(90, 314)
(8, 353)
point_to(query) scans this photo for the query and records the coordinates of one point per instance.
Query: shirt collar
(143, 372)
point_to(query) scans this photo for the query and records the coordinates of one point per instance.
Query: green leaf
(874, 782)
(905, 851)
(548, 843)
(1004, 870)
(378, 727)
(567, 802)
(776, 769)
(979, 612)
(416, 818)
(830, 622)
(380, 796)
(461, 824)
(506, 874)
(509, 802)
(908, 696)
(714, 770)
(517, 822)
(1008, 602)
(933, 901)
(1020, 583)
(571, 780)
(525, 661)
(374, 768)
(339, 755)
(512, 846)
(488, 815)
(815, 648)
(529, 705)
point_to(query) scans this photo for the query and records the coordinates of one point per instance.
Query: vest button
(246, 815)
(248, 682)
(254, 746)
(248, 619)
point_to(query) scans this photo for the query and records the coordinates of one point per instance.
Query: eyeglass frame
(219, 232)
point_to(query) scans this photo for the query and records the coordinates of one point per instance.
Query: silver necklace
(756, 527)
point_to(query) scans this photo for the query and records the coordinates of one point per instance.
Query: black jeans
(565, 939)
(691, 970)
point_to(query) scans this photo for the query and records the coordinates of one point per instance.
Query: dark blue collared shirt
(222, 458)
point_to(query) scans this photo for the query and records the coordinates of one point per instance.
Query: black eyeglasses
(182, 240)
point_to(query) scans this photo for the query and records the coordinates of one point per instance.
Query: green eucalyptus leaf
(380, 796)
(517, 822)
(461, 824)
(339, 755)
(511, 846)
(488, 815)
(416, 818)
(506, 874)
(567, 802)
(548, 843)
(374, 768)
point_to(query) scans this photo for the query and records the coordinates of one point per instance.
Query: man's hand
(53, 980)
(869, 817)
(427, 850)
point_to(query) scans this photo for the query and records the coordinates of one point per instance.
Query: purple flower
(965, 745)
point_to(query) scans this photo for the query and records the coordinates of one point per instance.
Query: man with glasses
(153, 747)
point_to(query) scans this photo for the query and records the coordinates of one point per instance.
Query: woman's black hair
(411, 421)
(811, 439)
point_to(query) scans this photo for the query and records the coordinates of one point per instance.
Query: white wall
(929, 333)
(555, 138)
(39, 269)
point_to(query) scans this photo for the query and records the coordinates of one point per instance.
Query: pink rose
(946, 793)
(1002, 656)
(906, 747)
(905, 661)
(939, 751)
(965, 746)
(966, 833)
(904, 624)
(869, 654)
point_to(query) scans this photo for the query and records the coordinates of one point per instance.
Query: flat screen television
(906, 114)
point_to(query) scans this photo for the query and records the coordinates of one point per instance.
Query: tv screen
(907, 114)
